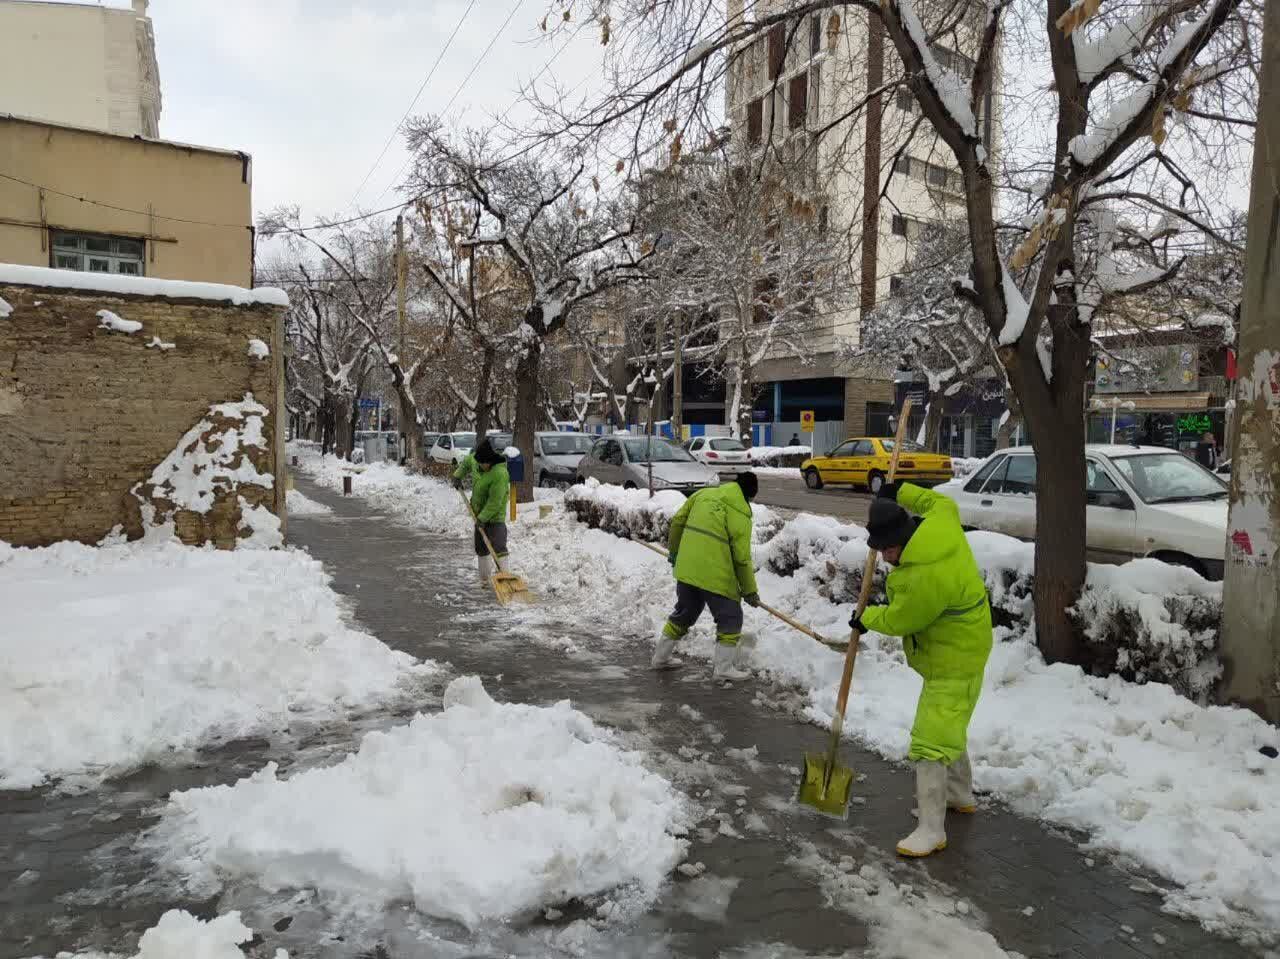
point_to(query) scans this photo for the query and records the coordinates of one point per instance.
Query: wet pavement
(73, 874)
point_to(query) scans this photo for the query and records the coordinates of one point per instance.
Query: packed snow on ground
(483, 811)
(1143, 771)
(420, 501)
(180, 935)
(130, 653)
(298, 504)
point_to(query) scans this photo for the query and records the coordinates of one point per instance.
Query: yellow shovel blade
(510, 588)
(825, 785)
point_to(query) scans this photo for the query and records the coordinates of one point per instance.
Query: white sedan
(725, 455)
(1141, 501)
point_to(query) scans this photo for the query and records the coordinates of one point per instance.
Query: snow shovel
(507, 587)
(825, 784)
(776, 613)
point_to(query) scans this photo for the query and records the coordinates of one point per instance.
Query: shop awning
(1153, 402)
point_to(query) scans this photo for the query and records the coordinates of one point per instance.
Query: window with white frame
(95, 253)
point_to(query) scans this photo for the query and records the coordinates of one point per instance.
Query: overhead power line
(414, 102)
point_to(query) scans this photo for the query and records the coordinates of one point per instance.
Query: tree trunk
(483, 389)
(528, 369)
(746, 400)
(1004, 435)
(408, 419)
(1058, 435)
(344, 426)
(932, 423)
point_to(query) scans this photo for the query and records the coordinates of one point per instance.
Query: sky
(312, 89)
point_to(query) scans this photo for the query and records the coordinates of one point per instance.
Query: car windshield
(464, 441)
(1169, 478)
(564, 445)
(655, 450)
(727, 446)
(500, 441)
(908, 446)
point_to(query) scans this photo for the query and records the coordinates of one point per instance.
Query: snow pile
(138, 285)
(258, 350)
(822, 550)
(212, 460)
(779, 455)
(300, 505)
(6, 310)
(112, 322)
(124, 654)
(421, 501)
(258, 526)
(483, 811)
(964, 465)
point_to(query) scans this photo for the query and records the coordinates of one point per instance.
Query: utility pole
(677, 381)
(407, 430)
(1251, 595)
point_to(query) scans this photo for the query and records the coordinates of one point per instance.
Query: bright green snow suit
(710, 546)
(468, 468)
(938, 604)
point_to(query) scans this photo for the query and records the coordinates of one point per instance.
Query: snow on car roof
(1104, 449)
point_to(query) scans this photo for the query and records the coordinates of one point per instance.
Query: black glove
(890, 490)
(671, 557)
(855, 623)
(457, 482)
(752, 599)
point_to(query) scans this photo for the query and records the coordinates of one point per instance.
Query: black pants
(692, 600)
(497, 533)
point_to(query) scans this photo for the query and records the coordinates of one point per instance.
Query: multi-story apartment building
(81, 65)
(797, 98)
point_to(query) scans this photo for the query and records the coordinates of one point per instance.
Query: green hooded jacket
(468, 468)
(938, 603)
(710, 540)
(491, 493)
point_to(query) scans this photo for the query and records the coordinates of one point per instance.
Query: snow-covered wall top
(12, 273)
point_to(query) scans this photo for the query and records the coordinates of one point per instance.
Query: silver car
(556, 457)
(624, 461)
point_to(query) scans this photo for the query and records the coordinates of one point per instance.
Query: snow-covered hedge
(964, 465)
(1146, 621)
(632, 514)
(779, 455)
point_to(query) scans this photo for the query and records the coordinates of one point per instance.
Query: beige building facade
(81, 65)
(81, 199)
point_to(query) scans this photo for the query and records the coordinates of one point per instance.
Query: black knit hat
(485, 453)
(750, 485)
(889, 525)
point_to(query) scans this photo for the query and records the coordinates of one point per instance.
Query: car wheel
(545, 481)
(629, 485)
(875, 482)
(812, 478)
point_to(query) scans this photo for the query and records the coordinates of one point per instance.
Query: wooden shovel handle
(869, 570)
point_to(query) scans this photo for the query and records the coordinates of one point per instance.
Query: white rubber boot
(725, 664)
(662, 653)
(931, 803)
(484, 564)
(960, 786)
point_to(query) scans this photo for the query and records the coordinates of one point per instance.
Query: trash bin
(515, 468)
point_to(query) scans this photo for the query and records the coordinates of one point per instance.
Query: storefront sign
(1155, 369)
(1197, 423)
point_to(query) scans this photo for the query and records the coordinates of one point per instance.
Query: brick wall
(86, 414)
(858, 392)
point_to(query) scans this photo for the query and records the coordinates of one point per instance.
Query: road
(792, 494)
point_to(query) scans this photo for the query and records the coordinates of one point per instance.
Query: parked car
(556, 457)
(1141, 501)
(452, 448)
(724, 454)
(864, 461)
(624, 461)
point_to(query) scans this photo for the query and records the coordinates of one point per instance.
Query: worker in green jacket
(489, 499)
(938, 605)
(710, 547)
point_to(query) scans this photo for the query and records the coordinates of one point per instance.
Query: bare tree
(1136, 94)
(563, 246)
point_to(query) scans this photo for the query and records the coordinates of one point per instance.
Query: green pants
(941, 730)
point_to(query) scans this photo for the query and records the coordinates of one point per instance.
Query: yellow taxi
(864, 461)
